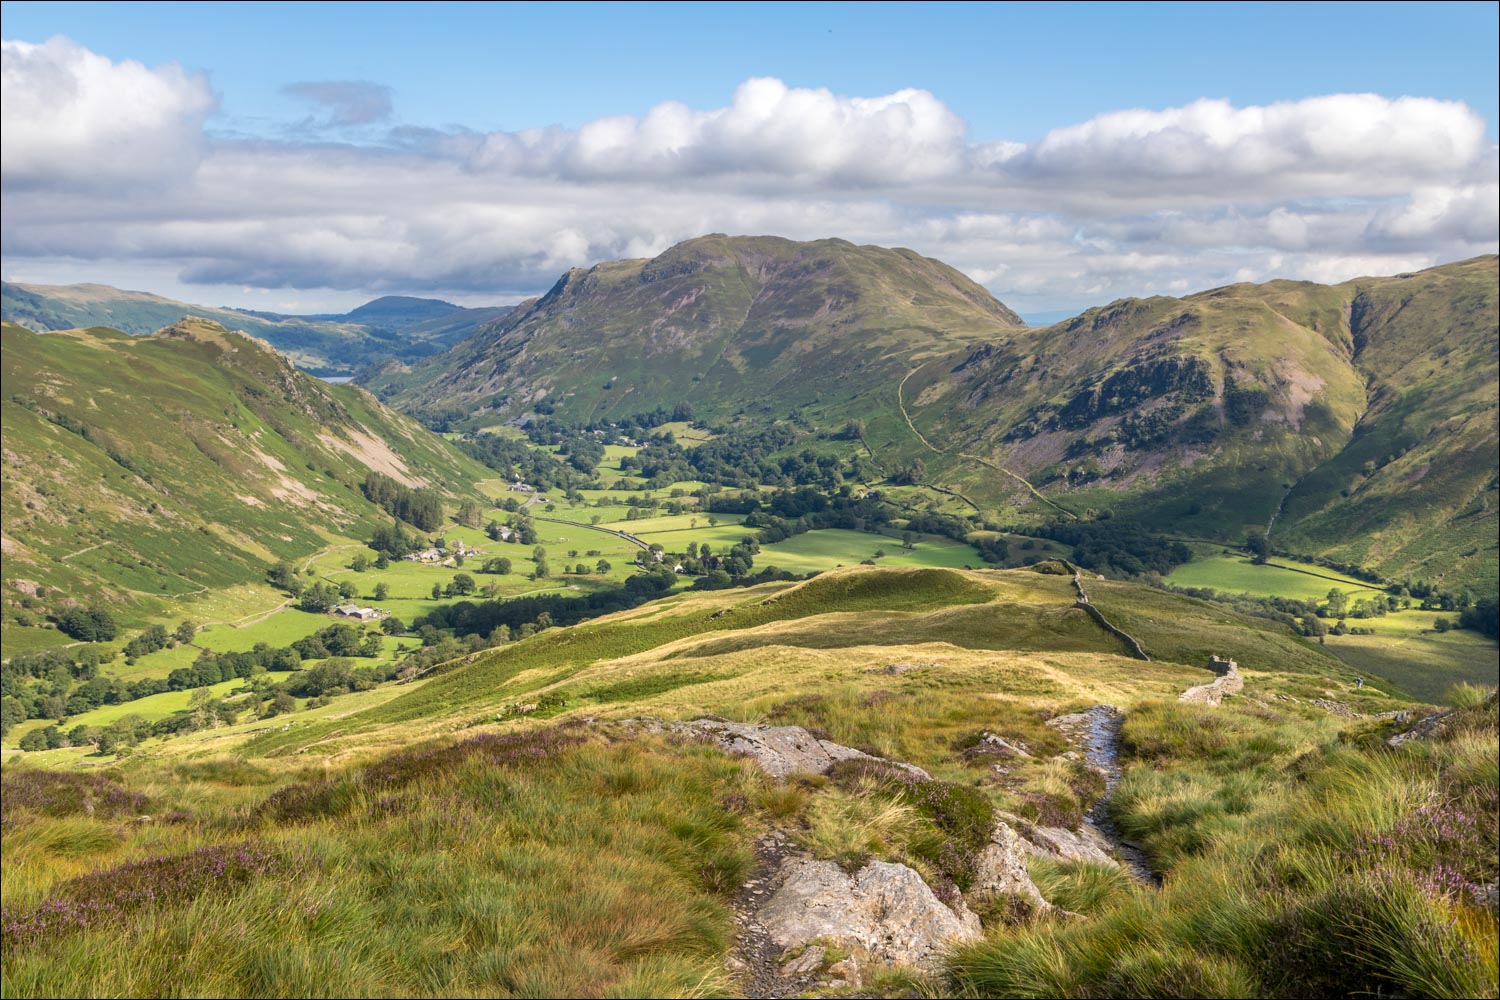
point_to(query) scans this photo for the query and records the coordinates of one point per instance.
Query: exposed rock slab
(785, 750)
(883, 915)
(1001, 870)
(1061, 844)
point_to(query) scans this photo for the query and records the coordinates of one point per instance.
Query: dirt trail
(1022, 480)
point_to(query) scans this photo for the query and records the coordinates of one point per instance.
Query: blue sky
(378, 137)
(1013, 71)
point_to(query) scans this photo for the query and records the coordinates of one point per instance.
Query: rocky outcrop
(1434, 726)
(1061, 844)
(882, 916)
(785, 750)
(1227, 684)
(1001, 871)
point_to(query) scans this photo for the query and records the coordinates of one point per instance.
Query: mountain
(1354, 422)
(724, 324)
(143, 467)
(329, 344)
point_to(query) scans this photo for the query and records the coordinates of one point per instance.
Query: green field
(1236, 574)
(816, 551)
(1406, 651)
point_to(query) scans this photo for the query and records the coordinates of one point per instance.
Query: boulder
(785, 750)
(1001, 870)
(1061, 844)
(883, 915)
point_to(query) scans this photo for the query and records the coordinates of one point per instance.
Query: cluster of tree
(1482, 616)
(88, 624)
(466, 618)
(422, 508)
(56, 684)
(1118, 548)
(522, 530)
(515, 459)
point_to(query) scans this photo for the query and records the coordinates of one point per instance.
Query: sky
(306, 157)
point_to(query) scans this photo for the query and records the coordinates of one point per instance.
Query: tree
(602, 566)
(499, 565)
(34, 741)
(283, 576)
(382, 591)
(1259, 548)
(1338, 603)
(437, 591)
(185, 631)
(392, 626)
(92, 624)
(469, 514)
(463, 583)
(359, 563)
(542, 570)
(348, 591)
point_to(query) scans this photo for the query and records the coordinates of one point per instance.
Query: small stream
(1097, 733)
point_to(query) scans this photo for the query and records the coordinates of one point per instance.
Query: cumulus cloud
(1128, 203)
(345, 103)
(1337, 145)
(69, 115)
(769, 128)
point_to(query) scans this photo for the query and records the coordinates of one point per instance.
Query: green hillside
(138, 468)
(723, 324)
(392, 326)
(1360, 417)
(542, 820)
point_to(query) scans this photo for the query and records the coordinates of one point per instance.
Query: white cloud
(69, 115)
(769, 128)
(1128, 203)
(1342, 144)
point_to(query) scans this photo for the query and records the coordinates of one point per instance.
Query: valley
(481, 649)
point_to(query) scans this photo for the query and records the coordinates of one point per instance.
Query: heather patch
(100, 898)
(63, 793)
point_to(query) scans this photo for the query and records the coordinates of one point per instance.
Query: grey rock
(809, 961)
(1001, 870)
(884, 915)
(785, 750)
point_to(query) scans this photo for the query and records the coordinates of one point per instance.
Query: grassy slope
(723, 323)
(980, 611)
(540, 856)
(1378, 429)
(138, 469)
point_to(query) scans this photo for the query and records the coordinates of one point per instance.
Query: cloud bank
(109, 161)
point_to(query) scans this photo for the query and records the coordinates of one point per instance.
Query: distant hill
(724, 324)
(1361, 417)
(137, 467)
(1364, 413)
(331, 344)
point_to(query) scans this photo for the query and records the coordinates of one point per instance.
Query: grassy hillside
(720, 323)
(531, 832)
(1355, 422)
(393, 326)
(144, 467)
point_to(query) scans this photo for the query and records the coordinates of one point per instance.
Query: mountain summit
(721, 322)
